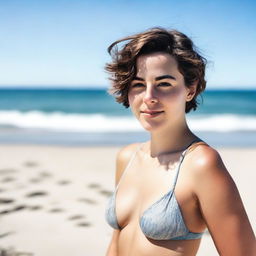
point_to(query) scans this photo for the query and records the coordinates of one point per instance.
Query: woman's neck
(170, 140)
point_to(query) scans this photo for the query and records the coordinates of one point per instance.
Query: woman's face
(158, 95)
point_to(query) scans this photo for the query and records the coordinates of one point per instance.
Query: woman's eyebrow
(138, 78)
(165, 77)
(157, 78)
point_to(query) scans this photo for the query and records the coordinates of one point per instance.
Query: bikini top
(163, 219)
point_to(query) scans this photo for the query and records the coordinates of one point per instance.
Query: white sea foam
(58, 121)
(67, 122)
(223, 123)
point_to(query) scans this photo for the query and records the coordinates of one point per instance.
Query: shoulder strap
(190, 144)
(129, 163)
(181, 160)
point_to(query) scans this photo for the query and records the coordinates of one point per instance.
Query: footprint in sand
(4, 212)
(45, 174)
(37, 193)
(94, 185)
(56, 210)
(101, 191)
(87, 200)
(76, 217)
(6, 200)
(64, 182)
(105, 192)
(18, 208)
(30, 164)
(4, 235)
(84, 224)
(13, 252)
(35, 207)
(14, 209)
(8, 179)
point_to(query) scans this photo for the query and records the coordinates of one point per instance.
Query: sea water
(80, 116)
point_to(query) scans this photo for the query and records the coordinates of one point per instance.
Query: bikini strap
(181, 160)
(129, 163)
(190, 144)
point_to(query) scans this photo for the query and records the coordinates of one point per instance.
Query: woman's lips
(151, 112)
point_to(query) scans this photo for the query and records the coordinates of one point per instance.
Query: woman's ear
(191, 91)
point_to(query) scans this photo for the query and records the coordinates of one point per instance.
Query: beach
(63, 118)
(53, 198)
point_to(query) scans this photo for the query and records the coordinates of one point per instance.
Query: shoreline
(85, 139)
(59, 193)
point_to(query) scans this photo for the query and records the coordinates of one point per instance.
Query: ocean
(80, 116)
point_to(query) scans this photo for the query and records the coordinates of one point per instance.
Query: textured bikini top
(162, 220)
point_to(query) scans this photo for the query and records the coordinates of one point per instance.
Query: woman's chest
(140, 189)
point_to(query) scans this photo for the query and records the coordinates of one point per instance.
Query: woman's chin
(150, 127)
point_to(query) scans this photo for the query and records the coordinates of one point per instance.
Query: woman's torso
(145, 182)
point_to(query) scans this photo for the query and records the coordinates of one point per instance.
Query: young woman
(173, 187)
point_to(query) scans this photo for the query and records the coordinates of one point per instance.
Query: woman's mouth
(151, 113)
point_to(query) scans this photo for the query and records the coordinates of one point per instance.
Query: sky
(56, 43)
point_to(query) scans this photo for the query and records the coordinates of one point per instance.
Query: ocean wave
(67, 122)
(59, 121)
(223, 123)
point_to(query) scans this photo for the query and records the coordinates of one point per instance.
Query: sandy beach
(52, 198)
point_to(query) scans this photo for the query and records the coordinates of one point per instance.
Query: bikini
(162, 220)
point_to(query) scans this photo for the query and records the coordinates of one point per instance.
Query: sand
(52, 199)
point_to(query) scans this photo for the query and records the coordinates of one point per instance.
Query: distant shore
(53, 198)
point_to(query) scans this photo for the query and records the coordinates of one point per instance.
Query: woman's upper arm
(222, 207)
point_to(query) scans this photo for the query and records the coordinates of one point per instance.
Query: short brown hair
(123, 67)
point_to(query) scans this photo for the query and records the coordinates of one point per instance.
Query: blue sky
(62, 43)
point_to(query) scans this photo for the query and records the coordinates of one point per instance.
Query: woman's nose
(150, 95)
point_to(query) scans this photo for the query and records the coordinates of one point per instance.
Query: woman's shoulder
(126, 152)
(209, 175)
(124, 156)
(202, 155)
(205, 161)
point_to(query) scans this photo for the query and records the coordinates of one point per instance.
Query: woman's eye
(137, 85)
(164, 84)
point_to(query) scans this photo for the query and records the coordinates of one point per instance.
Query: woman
(173, 187)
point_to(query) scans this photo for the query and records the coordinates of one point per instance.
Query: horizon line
(104, 87)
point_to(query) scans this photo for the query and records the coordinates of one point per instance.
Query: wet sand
(52, 199)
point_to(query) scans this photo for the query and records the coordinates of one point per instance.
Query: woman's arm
(112, 248)
(123, 157)
(221, 205)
